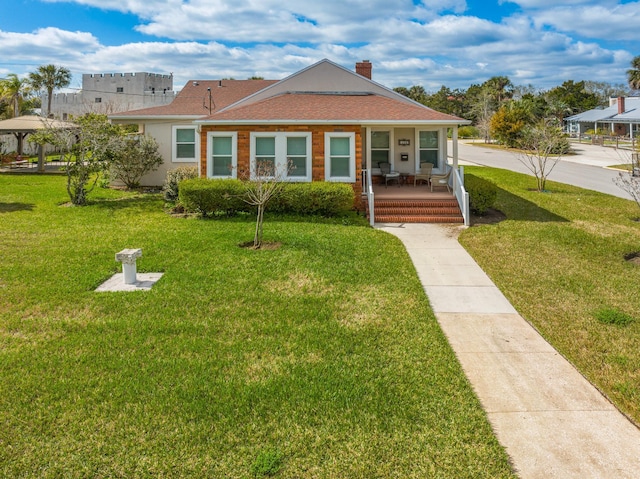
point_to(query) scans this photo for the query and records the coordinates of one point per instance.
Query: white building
(110, 93)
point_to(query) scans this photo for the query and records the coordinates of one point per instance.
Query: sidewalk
(552, 422)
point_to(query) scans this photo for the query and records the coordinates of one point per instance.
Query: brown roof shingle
(193, 99)
(331, 107)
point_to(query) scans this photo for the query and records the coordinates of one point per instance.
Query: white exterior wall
(139, 90)
(163, 132)
(410, 166)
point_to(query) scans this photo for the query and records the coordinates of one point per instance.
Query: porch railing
(460, 193)
(367, 189)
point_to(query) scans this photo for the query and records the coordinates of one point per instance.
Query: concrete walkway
(550, 419)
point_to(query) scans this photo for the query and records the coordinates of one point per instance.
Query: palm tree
(15, 90)
(50, 77)
(633, 75)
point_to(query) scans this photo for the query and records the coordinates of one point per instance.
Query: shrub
(208, 197)
(468, 132)
(482, 193)
(136, 157)
(317, 198)
(174, 177)
(613, 316)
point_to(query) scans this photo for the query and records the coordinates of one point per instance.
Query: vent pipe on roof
(621, 106)
(364, 68)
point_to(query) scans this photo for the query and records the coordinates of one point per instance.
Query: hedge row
(482, 193)
(209, 197)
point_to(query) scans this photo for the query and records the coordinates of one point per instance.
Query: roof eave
(333, 122)
(155, 117)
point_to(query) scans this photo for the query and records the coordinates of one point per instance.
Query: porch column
(454, 143)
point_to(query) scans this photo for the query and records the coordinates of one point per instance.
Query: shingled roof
(193, 99)
(330, 107)
(321, 93)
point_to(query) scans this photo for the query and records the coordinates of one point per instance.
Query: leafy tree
(136, 156)
(87, 151)
(500, 88)
(558, 109)
(574, 95)
(16, 91)
(543, 145)
(447, 101)
(633, 75)
(50, 78)
(416, 93)
(508, 123)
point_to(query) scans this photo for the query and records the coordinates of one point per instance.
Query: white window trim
(374, 169)
(352, 157)
(281, 152)
(234, 153)
(438, 167)
(174, 144)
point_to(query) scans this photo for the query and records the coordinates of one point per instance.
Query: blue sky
(430, 43)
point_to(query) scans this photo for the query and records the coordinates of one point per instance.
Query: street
(586, 169)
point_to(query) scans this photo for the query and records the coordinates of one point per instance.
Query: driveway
(586, 169)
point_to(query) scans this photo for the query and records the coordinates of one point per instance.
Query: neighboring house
(621, 118)
(113, 92)
(329, 122)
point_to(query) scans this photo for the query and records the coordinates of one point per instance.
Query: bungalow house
(621, 118)
(331, 123)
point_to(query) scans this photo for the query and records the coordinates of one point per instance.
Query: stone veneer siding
(317, 146)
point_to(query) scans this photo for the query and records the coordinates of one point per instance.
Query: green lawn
(560, 259)
(319, 359)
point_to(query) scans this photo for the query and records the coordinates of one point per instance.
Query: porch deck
(409, 192)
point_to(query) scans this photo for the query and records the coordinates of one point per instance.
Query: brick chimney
(621, 106)
(364, 68)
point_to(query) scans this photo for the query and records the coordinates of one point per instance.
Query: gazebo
(22, 126)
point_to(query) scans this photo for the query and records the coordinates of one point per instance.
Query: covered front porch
(402, 150)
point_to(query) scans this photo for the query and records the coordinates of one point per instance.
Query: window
(340, 164)
(119, 89)
(223, 160)
(98, 100)
(297, 156)
(265, 155)
(286, 152)
(185, 144)
(380, 145)
(428, 145)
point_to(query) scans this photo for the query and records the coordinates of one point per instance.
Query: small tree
(630, 181)
(543, 145)
(137, 156)
(266, 182)
(87, 151)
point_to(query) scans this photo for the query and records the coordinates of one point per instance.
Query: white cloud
(408, 44)
(620, 22)
(538, 4)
